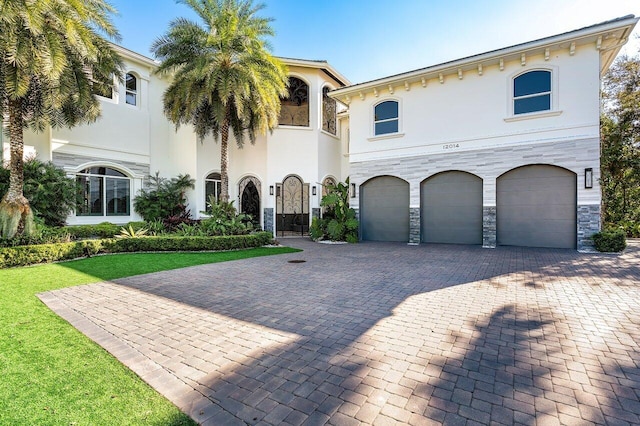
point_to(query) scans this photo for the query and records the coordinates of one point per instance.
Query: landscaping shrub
(224, 219)
(610, 241)
(338, 223)
(42, 234)
(42, 253)
(51, 194)
(101, 230)
(164, 198)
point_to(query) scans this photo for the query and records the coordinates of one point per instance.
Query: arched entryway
(292, 207)
(249, 190)
(536, 207)
(384, 209)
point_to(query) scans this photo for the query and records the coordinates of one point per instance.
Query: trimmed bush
(610, 241)
(101, 230)
(43, 253)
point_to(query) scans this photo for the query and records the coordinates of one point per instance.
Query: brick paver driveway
(381, 334)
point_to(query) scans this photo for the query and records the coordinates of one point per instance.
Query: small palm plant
(130, 232)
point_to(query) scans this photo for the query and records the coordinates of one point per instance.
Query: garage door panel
(384, 210)
(451, 208)
(536, 207)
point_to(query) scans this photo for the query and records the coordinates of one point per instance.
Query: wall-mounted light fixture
(353, 190)
(270, 189)
(588, 178)
(313, 190)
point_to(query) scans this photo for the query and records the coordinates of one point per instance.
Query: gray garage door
(536, 207)
(451, 208)
(384, 209)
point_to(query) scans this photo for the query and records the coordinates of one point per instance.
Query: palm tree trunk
(224, 156)
(15, 214)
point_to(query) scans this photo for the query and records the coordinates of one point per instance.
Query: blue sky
(368, 39)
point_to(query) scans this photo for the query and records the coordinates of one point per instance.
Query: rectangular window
(212, 187)
(118, 195)
(90, 196)
(532, 104)
(387, 127)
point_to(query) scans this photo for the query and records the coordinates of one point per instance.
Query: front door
(250, 202)
(292, 207)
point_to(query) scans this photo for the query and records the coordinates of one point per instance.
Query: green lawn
(51, 374)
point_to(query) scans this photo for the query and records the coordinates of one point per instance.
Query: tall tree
(52, 58)
(223, 74)
(620, 147)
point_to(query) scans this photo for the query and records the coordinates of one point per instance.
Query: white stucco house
(500, 148)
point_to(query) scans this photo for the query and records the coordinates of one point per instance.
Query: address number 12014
(451, 146)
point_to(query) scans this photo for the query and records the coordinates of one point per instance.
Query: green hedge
(43, 253)
(610, 241)
(101, 230)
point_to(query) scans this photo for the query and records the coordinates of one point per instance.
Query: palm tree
(52, 59)
(223, 74)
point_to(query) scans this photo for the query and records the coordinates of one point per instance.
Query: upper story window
(103, 191)
(386, 119)
(212, 187)
(328, 112)
(131, 86)
(532, 92)
(103, 90)
(294, 109)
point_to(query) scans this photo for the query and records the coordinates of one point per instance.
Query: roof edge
(590, 31)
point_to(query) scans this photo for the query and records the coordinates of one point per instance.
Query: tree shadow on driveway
(384, 333)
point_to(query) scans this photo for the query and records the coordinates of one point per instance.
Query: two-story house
(500, 148)
(278, 180)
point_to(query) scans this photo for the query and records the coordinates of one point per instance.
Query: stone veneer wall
(489, 239)
(489, 164)
(268, 219)
(588, 224)
(414, 225)
(74, 161)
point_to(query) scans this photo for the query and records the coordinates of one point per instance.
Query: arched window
(328, 112)
(532, 92)
(131, 85)
(103, 191)
(327, 183)
(212, 187)
(386, 118)
(294, 109)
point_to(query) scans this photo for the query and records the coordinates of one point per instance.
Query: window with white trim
(131, 87)
(532, 92)
(102, 89)
(103, 191)
(212, 187)
(386, 118)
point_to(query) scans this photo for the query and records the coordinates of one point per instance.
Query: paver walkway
(381, 333)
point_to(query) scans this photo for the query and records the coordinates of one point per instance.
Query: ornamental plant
(164, 199)
(338, 223)
(51, 194)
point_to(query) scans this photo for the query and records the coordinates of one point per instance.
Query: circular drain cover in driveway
(297, 261)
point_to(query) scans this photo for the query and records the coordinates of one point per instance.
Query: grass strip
(54, 375)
